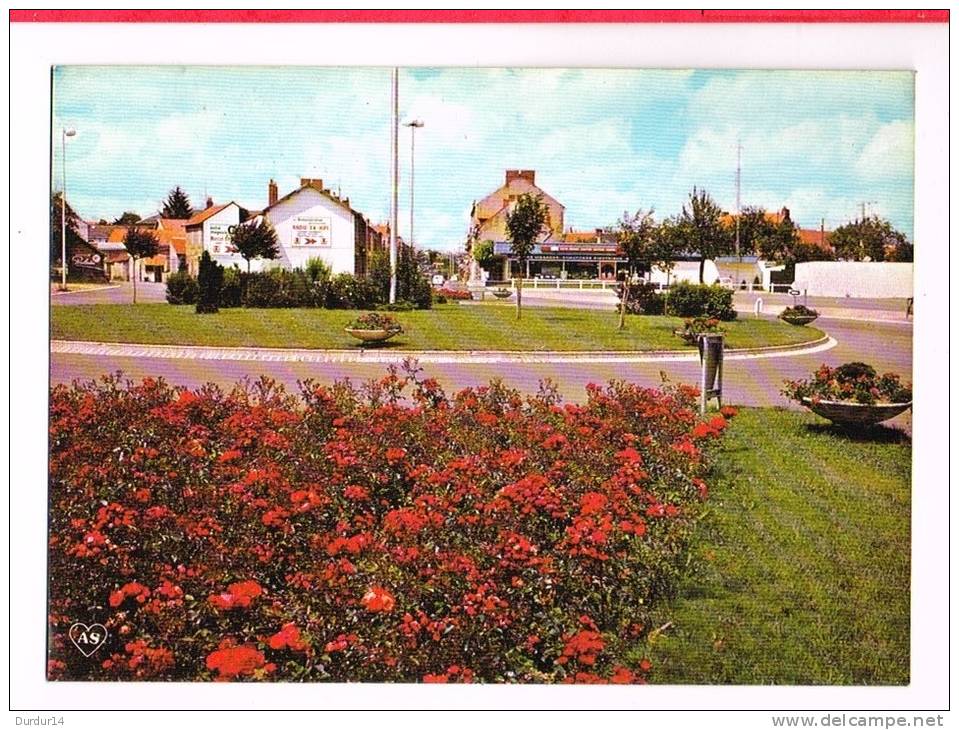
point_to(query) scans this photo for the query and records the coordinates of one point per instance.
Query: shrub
(231, 294)
(209, 283)
(701, 300)
(318, 270)
(386, 533)
(349, 292)
(181, 288)
(260, 290)
(853, 382)
(401, 306)
(644, 298)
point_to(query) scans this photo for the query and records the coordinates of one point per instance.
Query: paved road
(116, 293)
(885, 345)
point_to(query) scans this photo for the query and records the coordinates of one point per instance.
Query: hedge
(701, 300)
(387, 533)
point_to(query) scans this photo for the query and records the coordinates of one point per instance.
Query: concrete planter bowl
(370, 336)
(502, 293)
(855, 414)
(799, 319)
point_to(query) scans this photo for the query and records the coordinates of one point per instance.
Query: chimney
(528, 175)
(209, 202)
(272, 192)
(312, 182)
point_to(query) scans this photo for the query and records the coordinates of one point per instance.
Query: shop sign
(221, 238)
(87, 260)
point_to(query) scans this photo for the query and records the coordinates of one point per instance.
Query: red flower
(378, 600)
(394, 454)
(235, 661)
(287, 638)
(130, 590)
(237, 595)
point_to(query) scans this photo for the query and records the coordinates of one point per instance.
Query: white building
(310, 222)
(212, 230)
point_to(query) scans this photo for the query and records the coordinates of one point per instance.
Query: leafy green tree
(411, 285)
(256, 241)
(209, 283)
(127, 219)
(177, 205)
(482, 252)
(526, 222)
(867, 238)
(378, 272)
(701, 229)
(140, 244)
(636, 235)
(902, 253)
(73, 220)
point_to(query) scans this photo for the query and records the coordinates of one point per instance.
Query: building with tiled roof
(558, 254)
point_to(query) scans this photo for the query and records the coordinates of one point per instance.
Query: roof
(174, 238)
(813, 236)
(198, 218)
(312, 186)
(493, 203)
(117, 234)
(172, 224)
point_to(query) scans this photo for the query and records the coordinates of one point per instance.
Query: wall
(216, 238)
(857, 279)
(686, 271)
(305, 204)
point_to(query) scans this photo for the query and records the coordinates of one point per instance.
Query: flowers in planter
(375, 321)
(853, 382)
(799, 314)
(388, 532)
(454, 294)
(696, 326)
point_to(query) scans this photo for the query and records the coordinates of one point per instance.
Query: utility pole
(394, 159)
(413, 125)
(739, 176)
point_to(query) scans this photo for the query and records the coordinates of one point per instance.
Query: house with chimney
(559, 253)
(211, 229)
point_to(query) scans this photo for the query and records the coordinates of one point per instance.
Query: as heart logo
(88, 638)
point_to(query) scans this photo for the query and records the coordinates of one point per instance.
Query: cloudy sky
(601, 141)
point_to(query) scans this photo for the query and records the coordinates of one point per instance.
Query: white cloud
(889, 154)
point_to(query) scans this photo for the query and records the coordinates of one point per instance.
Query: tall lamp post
(413, 125)
(67, 132)
(394, 177)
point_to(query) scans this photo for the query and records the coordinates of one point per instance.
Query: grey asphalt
(885, 345)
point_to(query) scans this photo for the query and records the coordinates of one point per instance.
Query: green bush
(400, 306)
(701, 300)
(231, 294)
(644, 298)
(348, 292)
(181, 288)
(210, 282)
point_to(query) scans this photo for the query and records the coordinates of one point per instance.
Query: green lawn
(806, 552)
(446, 327)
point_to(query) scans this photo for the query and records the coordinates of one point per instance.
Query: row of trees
(704, 230)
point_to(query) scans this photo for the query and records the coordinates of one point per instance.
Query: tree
(482, 252)
(526, 222)
(56, 242)
(411, 285)
(868, 238)
(379, 273)
(127, 219)
(701, 230)
(209, 283)
(140, 244)
(635, 235)
(256, 241)
(177, 205)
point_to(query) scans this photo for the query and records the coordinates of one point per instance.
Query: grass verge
(446, 327)
(806, 549)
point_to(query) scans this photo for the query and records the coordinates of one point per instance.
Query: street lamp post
(67, 132)
(413, 125)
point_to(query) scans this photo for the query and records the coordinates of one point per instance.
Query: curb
(84, 291)
(261, 354)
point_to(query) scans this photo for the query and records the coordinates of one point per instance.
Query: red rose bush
(389, 532)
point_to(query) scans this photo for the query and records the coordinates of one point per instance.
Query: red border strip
(479, 16)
